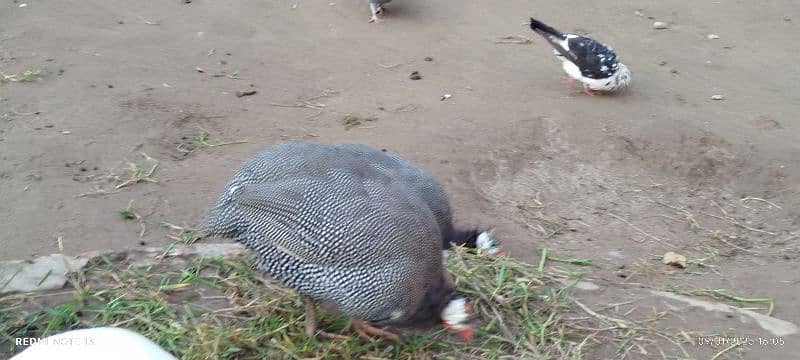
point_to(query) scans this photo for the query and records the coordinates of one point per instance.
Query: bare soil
(618, 179)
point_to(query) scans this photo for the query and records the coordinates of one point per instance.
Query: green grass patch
(224, 309)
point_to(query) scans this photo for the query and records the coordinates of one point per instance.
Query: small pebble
(660, 25)
(120, 22)
(445, 97)
(23, 5)
(415, 76)
(662, 63)
(717, 97)
(616, 254)
(639, 13)
(110, 86)
(713, 36)
(787, 19)
(245, 93)
(428, 58)
(674, 71)
(66, 132)
(48, 126)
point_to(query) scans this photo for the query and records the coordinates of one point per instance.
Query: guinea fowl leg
(367, 331)
(311, 317)
(570, 82)
(587, 91)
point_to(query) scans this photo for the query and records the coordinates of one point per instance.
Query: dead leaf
(674, 259)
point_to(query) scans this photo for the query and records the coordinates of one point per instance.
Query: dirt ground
(618, 179)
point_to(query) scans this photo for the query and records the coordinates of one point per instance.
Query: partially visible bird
(101, 343)
(594, 64)
(376, 6)
(353, 229)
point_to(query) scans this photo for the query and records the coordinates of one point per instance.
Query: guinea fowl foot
(368, 332)
(588, 91)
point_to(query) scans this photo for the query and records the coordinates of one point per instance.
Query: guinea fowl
(353, 229)
(594, 64)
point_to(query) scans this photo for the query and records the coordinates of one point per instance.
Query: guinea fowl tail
(543, 29)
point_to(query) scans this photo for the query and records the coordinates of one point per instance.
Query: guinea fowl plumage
(354, 229)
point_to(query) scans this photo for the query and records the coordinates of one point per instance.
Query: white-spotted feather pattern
(349, 225)
(594, 64)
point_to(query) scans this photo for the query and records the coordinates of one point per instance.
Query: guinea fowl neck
(429, 311)
(467, 238)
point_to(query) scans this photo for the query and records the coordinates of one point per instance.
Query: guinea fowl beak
(464, 332)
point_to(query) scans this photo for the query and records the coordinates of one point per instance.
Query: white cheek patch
(455, 313)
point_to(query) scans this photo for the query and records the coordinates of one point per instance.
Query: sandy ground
(620, 179)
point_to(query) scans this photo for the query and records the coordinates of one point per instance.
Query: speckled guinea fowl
(355, 229)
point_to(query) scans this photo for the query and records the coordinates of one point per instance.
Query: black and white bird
(353, 229)
(376, 6)
(593, 63)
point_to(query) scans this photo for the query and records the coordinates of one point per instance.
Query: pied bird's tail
(544, 30)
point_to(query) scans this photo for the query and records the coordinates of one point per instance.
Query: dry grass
(224, 309)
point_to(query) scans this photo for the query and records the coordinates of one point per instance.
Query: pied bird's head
(622, 78)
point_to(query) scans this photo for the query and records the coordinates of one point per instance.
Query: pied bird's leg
(311, 317)
(587, 91)
(375, 10)
(570, 82)
(367, 331)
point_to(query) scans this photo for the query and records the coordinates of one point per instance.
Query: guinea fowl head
(443, 305)
(455, 316)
